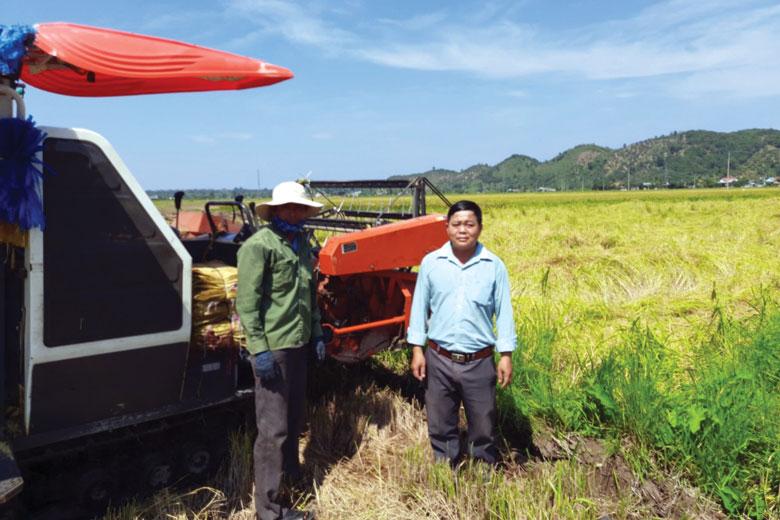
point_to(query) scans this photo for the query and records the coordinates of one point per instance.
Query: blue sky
(384, 88)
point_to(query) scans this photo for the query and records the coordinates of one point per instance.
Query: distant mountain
(696, 157)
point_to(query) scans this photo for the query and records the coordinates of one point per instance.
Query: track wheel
(95, 488)
(196, 458)
(157, 470)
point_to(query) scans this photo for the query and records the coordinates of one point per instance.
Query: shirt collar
(283, 239)
(481, 253)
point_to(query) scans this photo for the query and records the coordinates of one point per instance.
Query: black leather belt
(459, 357)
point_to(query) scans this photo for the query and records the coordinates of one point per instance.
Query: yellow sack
(215, 322)
(12, 234)
(213, 336)
(213, 292)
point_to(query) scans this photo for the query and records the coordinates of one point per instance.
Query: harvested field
(368, 457)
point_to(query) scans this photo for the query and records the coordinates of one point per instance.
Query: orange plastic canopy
(79, 60)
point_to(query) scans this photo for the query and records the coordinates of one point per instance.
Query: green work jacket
(276, 299)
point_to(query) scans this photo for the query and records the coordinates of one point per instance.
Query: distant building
(727, 181)
(545, 188)
(770, 181)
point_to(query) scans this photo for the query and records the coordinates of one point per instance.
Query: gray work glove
(266, 367)
(319, 348)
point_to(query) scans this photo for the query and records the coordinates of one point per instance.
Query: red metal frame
(386, 314)
(366, 286)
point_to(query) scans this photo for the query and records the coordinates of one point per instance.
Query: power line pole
(728, 171)
(666, 172)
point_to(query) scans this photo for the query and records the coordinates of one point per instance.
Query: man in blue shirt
(460, 288)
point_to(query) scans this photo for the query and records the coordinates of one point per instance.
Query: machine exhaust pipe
(177, 203)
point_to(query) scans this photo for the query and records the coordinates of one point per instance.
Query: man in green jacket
(277, 304)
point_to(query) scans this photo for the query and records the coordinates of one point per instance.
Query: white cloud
(626, 94)
(684, 42)
(304, 24)
(202, 139)
(737, 82)
(419, 22)
(638, 47)
(224, 136)
(236, 136)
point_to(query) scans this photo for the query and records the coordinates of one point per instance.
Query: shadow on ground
(337, 433)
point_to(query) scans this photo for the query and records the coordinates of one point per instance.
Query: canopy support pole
(8, 95)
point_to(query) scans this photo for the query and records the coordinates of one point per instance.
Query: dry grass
(391, 476)
(368, 457)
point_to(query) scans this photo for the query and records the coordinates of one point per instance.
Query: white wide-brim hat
(288, 193)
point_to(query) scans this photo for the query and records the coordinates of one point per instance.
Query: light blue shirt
(454, 303)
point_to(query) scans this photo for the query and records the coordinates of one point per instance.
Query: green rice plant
(727, 420)
(645, 315)
(637, 326)
(627, 388)
(442, 479)
(718, 420)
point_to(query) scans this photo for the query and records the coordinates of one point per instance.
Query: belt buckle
(458, 357)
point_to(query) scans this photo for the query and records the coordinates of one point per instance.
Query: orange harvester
(366, 284)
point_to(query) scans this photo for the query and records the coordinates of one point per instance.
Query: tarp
(79, 60)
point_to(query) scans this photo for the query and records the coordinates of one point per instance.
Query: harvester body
(98, 344)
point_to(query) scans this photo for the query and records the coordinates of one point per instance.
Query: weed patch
(716, 419)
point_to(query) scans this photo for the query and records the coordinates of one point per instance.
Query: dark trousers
(448, 385)
(279, 412)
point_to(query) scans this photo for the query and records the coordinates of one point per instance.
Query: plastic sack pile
(215, 323)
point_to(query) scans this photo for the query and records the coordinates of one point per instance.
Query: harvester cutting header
(91, 307)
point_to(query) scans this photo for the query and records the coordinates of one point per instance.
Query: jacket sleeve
(316, 318)
(252, 263)
(418, 317)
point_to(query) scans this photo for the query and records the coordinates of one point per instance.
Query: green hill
(696, 157)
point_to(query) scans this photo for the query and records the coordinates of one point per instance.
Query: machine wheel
(157, 470)
(95, 488)
(196, 458)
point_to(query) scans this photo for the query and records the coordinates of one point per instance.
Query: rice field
(648, 373)
(653, 316)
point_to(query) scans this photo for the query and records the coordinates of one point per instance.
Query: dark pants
(448, 385)
(279, 411)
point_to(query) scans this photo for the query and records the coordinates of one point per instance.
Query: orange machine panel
(193, 223)
(400, 244)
